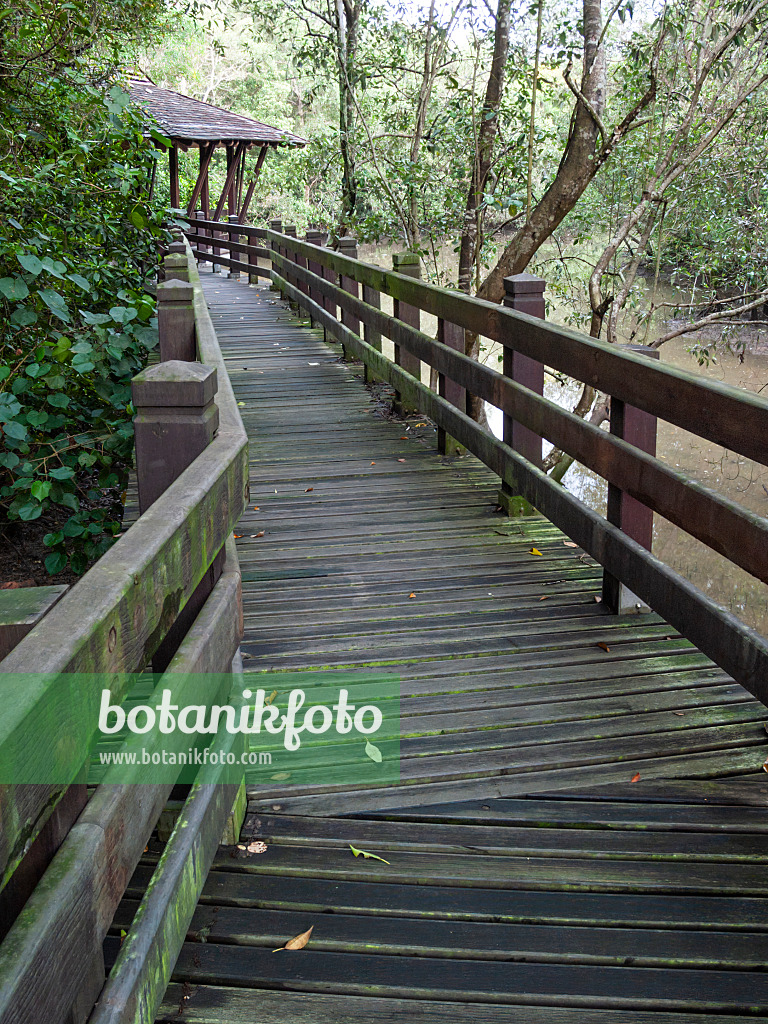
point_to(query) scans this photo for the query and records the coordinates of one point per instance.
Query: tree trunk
(577, 167)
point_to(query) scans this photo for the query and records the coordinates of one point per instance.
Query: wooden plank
(219, 1004)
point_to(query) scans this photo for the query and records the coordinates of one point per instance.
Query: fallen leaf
(403, 438)
(297, 942)
(259, 534)
(604, 645)
(373, 752)
(597, 599)
(569, 544)
(255, 508)
(309, 489)
(257, 847)
(535, 551)
(123, 934)
(373, 463)
(678, 712)
(544, 598)
(237, 536)
(367, 856)
(271, 697)
(635, 777)
(401, 460)
(411, 595)
(280, 776)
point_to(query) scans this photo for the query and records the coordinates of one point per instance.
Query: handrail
(709, 409)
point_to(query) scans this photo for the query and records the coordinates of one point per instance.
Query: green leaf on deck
(366, 855)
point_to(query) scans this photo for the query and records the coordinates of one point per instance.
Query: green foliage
(77, 237)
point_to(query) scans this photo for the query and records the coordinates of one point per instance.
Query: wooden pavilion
(189, 122)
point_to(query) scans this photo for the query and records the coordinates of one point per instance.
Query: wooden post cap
(523, 284)
(406, 263)
(315, 237)
(21, 608)
(525, 293)
(176, 268)
(290, 229)
(276, 225)
(175, 291)
(347, 246)
(174, 383)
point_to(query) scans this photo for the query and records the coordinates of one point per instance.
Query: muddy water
(738, 478)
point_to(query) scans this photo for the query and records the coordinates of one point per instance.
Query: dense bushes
(77, 239)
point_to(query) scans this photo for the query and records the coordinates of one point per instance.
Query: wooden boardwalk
(529, 879)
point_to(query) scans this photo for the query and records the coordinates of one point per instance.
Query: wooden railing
(343, 295)
(169, 589)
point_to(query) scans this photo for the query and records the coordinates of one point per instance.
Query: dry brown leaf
(635, 777)
(257, 847)
(271, 697)
(678, 712)
(403, 438)
(544, 598)
(604, 645)
(411, 595)
(597, 599)
(297, 942)
(237, 536)
(309, 489)
(401, 460)
(373, 463)
(255, 508)
(259, 534)
(569, 544)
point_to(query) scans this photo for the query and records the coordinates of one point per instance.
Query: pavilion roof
(189, 121)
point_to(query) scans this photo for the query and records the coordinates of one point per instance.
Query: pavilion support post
(206, 152)
(173, 175)
(453, 336)
(525, 293)
(348, 247)
(176, 419)
(228, 184)
(315, 237)
(252, 185)
(631, 516)
(406, 263)
(232, 165)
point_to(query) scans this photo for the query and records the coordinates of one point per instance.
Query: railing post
(631, 516)
(453, 336)
(233, 219)
(176, 321)
(290, 254)
(176, 267)
(176, 419)
(253, 259)
(406, 263)
(276, 225)
(347, 246)
(201, 246)
(215, 267)
(524, 293)
(315, 237)
(329, 303)
(371, 297)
